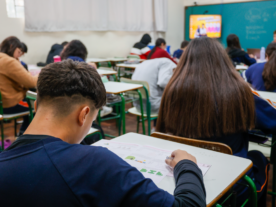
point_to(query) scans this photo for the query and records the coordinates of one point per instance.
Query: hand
(179, 155)
(93, 65)
(252, 56)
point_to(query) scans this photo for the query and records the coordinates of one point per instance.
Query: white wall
(99, 44)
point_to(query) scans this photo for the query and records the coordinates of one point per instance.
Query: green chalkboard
(253, 22)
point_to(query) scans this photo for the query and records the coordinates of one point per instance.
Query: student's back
(58, 172)
(156, 73)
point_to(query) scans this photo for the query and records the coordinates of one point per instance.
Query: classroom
(113, 103)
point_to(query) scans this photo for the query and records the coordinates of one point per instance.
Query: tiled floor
(109, 127)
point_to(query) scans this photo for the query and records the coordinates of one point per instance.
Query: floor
(109, 127)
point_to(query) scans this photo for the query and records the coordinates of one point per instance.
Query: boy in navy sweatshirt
(48, 167)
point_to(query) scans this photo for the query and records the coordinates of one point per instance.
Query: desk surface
(123, 65)
(241, 67)
(118, 87)
(225, 171)
(96, 60)
(106, 72)
(268, 95)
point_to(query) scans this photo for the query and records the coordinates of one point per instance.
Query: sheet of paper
(149, 160)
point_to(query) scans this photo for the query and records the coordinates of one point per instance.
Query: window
(15, 8)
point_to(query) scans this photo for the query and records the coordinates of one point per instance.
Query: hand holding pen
(177, 156)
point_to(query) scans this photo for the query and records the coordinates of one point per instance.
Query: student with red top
(159, 51)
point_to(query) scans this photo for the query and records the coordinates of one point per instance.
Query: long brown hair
(206, 96)
(233, 42)
(9, 45)
(269, 73)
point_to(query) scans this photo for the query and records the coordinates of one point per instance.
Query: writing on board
(254, 32)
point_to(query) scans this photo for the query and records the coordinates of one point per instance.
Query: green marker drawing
(152, 171)
(159, 173)
(143, 170)
(130, 158)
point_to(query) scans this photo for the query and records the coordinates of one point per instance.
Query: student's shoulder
(257, 67)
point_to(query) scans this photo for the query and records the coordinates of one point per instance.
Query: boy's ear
(35, 105)
(84, 113)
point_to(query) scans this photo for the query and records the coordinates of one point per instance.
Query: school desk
(119, 88)
(224, 172)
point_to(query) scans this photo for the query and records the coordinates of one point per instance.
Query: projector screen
(205, 25)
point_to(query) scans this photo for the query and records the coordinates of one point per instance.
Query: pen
(169, 158)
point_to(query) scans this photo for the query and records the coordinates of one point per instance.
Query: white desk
(225, 171)
(131, 66)
(96, 60)
(119, 88)
(268, 95)
(92, 131)
(241, 67)
(106, 72)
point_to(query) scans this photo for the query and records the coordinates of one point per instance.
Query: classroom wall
(99, 44)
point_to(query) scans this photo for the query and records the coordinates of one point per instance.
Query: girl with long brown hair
(207, 99)
(262, 76)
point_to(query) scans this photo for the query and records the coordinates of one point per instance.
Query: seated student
(177, 54)
(159, 51)
(236, 53)
(14, 79)
(207, 99)
(52, 169)
(56, 49)
(24, 50)
(274, 36)
(76, 50)
(262, 76)
(157, 73)
(141, 48)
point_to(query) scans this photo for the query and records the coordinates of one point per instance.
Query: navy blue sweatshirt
(45, 171)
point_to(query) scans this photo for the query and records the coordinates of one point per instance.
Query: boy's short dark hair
(184, 44)
(64, 84)
(274, 32)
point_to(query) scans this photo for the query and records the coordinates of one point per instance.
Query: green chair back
(31, 97)
(145, 93)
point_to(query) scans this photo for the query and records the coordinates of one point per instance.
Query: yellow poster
(205, 25)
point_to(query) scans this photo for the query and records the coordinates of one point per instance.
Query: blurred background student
(236, 53)
(177, 54)
(274, 36)
(159, 51)
(56, 49)
(24, 50)
(141, 48)
(262, 76)
(14, 79)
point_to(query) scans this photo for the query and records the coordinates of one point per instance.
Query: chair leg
(138, 124)
(253, 200)
(15, 127)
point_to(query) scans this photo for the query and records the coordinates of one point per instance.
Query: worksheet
(149, 160)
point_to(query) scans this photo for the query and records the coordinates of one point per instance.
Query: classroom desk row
(224, 172)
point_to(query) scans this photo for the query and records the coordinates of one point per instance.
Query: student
(56, 49)
(274, 36)
(197, 34)
(14, 79)
(236, 53)
(141, 48)
(262, 76)
(24, 50)
(76, 51)
(177, 54)
(159, 51)
(157, 73)
(52, 169)
(207, 99)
